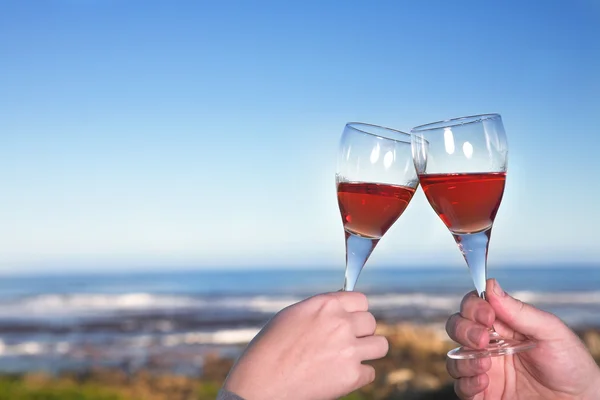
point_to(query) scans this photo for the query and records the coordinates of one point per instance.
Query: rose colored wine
(370, 209)
(467, 203)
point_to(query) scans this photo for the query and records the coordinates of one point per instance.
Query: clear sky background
(141, 134)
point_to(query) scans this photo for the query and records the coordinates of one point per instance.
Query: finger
(477, 309)
(523, 317)
(351, 301)
(366, 375)
(372, 347)
(467, 388)
(467, 332)
(507, 332)
(363, 323)
(468, 368)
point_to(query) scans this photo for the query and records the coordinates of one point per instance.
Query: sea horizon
(124, 268)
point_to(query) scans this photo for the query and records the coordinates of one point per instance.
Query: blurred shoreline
(413, 369)
(170, 322)
(174, 335)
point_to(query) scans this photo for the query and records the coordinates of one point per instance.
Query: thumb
(522, 317)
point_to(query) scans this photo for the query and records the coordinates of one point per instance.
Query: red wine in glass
(466, 203)
(375, 181)
(370, 209)
(462, 165)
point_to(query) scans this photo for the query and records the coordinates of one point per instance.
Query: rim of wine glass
(452, 122)
(355, 126)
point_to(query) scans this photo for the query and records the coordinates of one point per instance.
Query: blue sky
(139, 134)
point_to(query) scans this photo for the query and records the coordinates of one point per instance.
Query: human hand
(559, 367)
(312, 350)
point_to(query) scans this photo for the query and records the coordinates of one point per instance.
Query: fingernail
(498, 290)
(474, 335)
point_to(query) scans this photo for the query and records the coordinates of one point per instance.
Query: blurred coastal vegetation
(414, 369)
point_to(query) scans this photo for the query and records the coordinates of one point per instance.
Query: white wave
(128, 344)
(33, 348)
(452, 302)
(54, 305)
(74, 305)
(223, 337)
(559, 298)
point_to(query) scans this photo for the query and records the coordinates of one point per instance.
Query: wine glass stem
(358, 250)
(474, 248)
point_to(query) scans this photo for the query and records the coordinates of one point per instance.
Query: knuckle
(451, 324)
(371, 318)
(481, 365)
(343, 328)
(384, 344)
(349, 352)
(451, 368)
(369, 375)
(468, 298)
(472, 306)
(370, 323)
(292, 309)
(354, 377)
(362, 298)
(324, 297)
(461, 328)
(560, 327)
(521, 305)
(555, 320)
(328, 303)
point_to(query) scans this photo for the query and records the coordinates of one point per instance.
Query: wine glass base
(497, 347)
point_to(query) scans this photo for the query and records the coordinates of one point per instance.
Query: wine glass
(375, 181)
(461, 165)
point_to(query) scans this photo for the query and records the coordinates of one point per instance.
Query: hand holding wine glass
(376, 180)
(314, 349)
(559, 367)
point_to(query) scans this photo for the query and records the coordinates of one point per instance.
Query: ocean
(172, 320)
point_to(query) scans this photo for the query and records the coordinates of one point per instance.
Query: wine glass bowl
(375, 181)
(462, 165)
